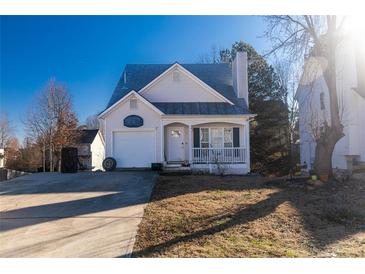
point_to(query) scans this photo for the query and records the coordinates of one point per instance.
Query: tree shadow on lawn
(333, 205)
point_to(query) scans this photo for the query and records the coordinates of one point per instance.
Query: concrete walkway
(72, 215)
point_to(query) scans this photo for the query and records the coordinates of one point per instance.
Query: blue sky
(88, 53)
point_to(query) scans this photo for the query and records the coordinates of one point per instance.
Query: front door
(176, 144)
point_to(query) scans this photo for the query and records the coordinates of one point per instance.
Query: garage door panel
(134, 149)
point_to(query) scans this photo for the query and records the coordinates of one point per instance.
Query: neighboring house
(313, 98)
(91, 149)
(195, 114)
(2, 156)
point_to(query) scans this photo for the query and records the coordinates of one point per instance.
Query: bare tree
(51, 122)
(12, 154)
(92, 122)
(288, 76)
(30, 155)
(318, 37)
(213, 57)
(6, 130)
(66, 120)
(37, 126)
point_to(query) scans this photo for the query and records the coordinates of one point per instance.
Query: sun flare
(355, 27)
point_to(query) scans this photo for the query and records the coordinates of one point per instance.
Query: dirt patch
(210, 216)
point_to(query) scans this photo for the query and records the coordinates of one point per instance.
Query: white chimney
(239, 75)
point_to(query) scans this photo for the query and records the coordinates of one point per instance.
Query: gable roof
(127, 95)
(211, 90)
(137, 76)
(87, 136)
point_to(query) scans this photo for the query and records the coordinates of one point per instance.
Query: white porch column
(190, 146)
(162, 149)
(246, 127)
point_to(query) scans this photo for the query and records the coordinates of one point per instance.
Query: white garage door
(134, 149)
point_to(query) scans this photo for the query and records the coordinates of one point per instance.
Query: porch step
(359, 167)
(359, 176)
(170, 165)
(172, 169)
(358, 170)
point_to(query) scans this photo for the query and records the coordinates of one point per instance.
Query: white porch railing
(219, 155)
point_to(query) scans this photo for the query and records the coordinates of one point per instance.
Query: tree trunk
(44, 157)
(59, 160)
(324, 150)
(50, 158)
(333, 131)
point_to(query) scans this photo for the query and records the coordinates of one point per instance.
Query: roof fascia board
(189, 116)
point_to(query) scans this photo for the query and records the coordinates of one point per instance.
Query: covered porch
(205, 142)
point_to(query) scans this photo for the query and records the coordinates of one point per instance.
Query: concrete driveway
(72, 215)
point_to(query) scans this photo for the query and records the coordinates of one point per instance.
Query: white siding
(352, 110)
(184, 90)
(114, 123)
(1, 157)
(97, 152)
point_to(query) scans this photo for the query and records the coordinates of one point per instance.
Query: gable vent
(133, 103)
(176, 76)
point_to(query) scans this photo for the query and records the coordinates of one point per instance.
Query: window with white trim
(228, 137)
(216, 137)
(204, 137)
(175, 133)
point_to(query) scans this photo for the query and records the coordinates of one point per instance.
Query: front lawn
(211, 216)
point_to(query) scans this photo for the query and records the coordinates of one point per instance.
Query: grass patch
(210, 216)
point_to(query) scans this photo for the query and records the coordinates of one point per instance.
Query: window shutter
(196, 137)
(236, 137)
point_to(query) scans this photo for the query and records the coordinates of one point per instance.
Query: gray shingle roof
(217, 76)
(87, 136)
(201, 108)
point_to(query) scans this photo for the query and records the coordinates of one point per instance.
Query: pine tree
(267, 99)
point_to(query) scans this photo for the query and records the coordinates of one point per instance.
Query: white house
(91, 149)
(313, 100)
(180, 113)
(1, 157)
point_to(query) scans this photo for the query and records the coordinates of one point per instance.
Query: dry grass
(210, 216)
